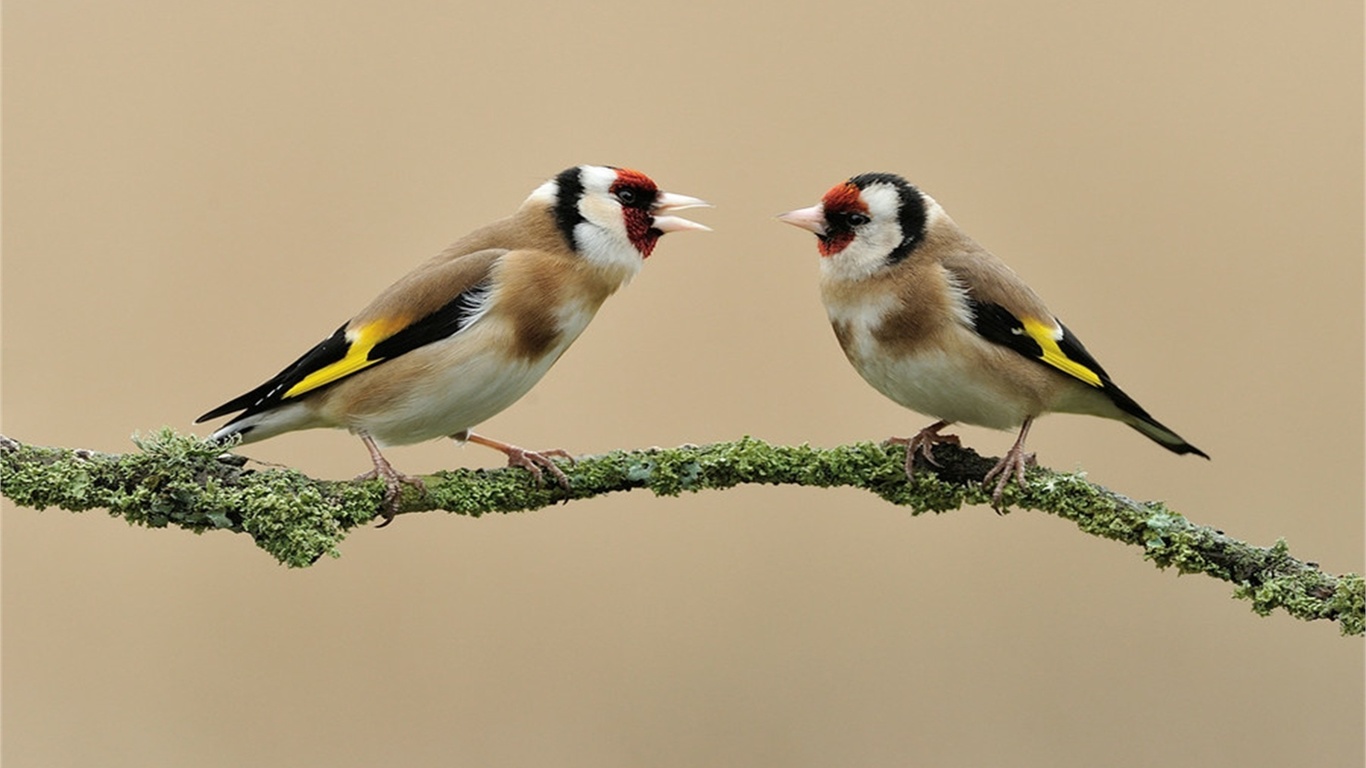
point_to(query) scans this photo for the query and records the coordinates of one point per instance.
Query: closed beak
(811, 219)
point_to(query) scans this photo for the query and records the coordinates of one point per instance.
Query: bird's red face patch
(838, 203)
(629, 177)
(637, 193)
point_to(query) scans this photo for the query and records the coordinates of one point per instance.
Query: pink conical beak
(668, 201)
(811, 219)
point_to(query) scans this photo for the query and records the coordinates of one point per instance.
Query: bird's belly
(943, 386)
(456, 386)
(476, 395)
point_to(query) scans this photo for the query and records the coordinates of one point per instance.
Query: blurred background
(196, 193)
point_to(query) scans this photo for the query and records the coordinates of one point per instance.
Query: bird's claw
(923, 443)
(534, 461)
(393, 489)
(1013, 464)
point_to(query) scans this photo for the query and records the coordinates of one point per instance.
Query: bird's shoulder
(1004, 310)
(986, 279)
(426, 290)
(463, 265)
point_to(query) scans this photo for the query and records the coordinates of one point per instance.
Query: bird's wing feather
(327, 352)
(430, 304)
(1005, 311)
(1051, 345)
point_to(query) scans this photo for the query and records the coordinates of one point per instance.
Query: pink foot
(1013, 464)
(532, 461)
(393, 480)
(923, 443)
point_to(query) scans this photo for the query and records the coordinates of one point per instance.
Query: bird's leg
(923, 443)
(531, 461)
(393, 479)
(1013, 463)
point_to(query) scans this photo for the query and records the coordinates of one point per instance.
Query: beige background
(194, 193)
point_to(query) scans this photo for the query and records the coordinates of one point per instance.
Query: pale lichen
(180, 480)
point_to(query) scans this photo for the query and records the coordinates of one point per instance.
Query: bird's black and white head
(613, 216)
(867, 223)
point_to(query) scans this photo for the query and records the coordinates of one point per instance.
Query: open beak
(666, 203)
(811, 219)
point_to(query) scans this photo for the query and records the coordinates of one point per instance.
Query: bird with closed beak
(466, 334)
(938, 324)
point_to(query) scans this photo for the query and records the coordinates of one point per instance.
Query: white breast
(934, 380)
(464, 380)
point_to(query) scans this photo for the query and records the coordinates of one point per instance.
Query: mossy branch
(181, 480)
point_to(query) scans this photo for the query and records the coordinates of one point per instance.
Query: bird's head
(614, 216)
(868, 222)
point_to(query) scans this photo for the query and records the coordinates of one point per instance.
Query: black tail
(1152, 428)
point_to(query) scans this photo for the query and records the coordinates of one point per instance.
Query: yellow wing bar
(1043, 335)
(359, 343)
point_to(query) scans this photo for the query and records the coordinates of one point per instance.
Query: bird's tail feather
(1163, 436)
(1136, 417)
(252, 427)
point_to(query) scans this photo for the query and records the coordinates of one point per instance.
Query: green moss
(180, 480)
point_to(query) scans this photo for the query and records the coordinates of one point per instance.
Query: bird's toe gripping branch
(393, 481)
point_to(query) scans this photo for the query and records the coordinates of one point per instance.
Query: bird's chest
(856, 326)
(459, 382)
(933, 369)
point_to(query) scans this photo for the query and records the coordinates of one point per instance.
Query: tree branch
(180, 480)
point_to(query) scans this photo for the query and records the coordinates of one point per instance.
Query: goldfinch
(469, 332)
(938, 324)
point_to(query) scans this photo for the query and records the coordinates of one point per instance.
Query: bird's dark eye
(627, 196)
(847, 219)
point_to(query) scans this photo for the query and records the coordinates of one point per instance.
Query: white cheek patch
(601, 237)
(601, 211)
(873, 242)
(856, 262)
(597, 180)
(611, 249)
(884, 203)
(591, 239)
